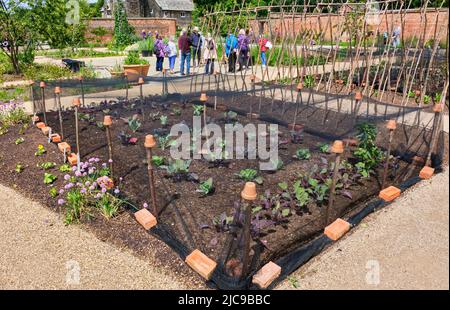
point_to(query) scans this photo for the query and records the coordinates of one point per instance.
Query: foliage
(134, 124)
(45, 72)
(47, 165)
(178, 166)
(308, 81)
(53, 192)
(426, 99)
(133, 58)
(124, 34)
(179, 170)
(146, 44)
(64, 168)
(368, 154)
(302, 154)
(19, 141)
(249, 175)
(19, 168)
(13, 94)
(222, 222)
(49, 178)
(126, 139)
(158, 160)
(324, 148)
(40, 150)
(89, 190)
(163, 119)
(165, 142)
(206, 187)
(13, 113)
(293, 281)
(276, 164)
(198, 110)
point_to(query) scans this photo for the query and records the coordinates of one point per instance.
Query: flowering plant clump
(12, 113)
(89, 190)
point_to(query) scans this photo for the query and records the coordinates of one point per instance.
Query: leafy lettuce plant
(249, 175)
(206, 188)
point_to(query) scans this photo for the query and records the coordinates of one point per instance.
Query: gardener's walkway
(408, 241)
(38, 252)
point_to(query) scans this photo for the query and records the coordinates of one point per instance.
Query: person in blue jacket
(231, 45)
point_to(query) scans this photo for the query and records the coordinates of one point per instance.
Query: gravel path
(408, 242)
(38, 252)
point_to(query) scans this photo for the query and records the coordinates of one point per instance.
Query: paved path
(38, 252)
(408, 241)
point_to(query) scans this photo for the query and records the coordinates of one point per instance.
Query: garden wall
(414, 21)
(165, 26)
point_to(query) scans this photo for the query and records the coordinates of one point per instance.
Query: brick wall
(165, 26)
(414, 22)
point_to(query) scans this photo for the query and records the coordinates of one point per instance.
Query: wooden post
(76, 104)
(252, 81)
(149, 144)
(338, 149)
(141, 94)
(107, 122)
(58, 101)
(437, 109)
(391, 125)
(299, 94)
(248, 195)
(125, 75)
(42, 85)
(80, 78)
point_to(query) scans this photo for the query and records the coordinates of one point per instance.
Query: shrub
(46, 71)
(133, 58)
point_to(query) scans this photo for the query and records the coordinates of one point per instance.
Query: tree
(61, 23)
(124, 34)
(16, 32)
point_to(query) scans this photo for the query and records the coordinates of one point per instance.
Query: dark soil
(188, 217)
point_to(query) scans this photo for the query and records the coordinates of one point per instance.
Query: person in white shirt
(172, 53)
(209, 54)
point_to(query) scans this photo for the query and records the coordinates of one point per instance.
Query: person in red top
(184, 45)
(263, 49)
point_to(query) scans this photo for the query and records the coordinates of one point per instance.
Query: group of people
(203, 50)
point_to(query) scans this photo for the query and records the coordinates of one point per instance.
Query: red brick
(64, 146)
(40, 125)
(56, 138)
(201, 263)
(337, 229)
(73, 159)
(145, 218)
(45, 130)
(390, 193)
(426, 172)
(266, 275)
